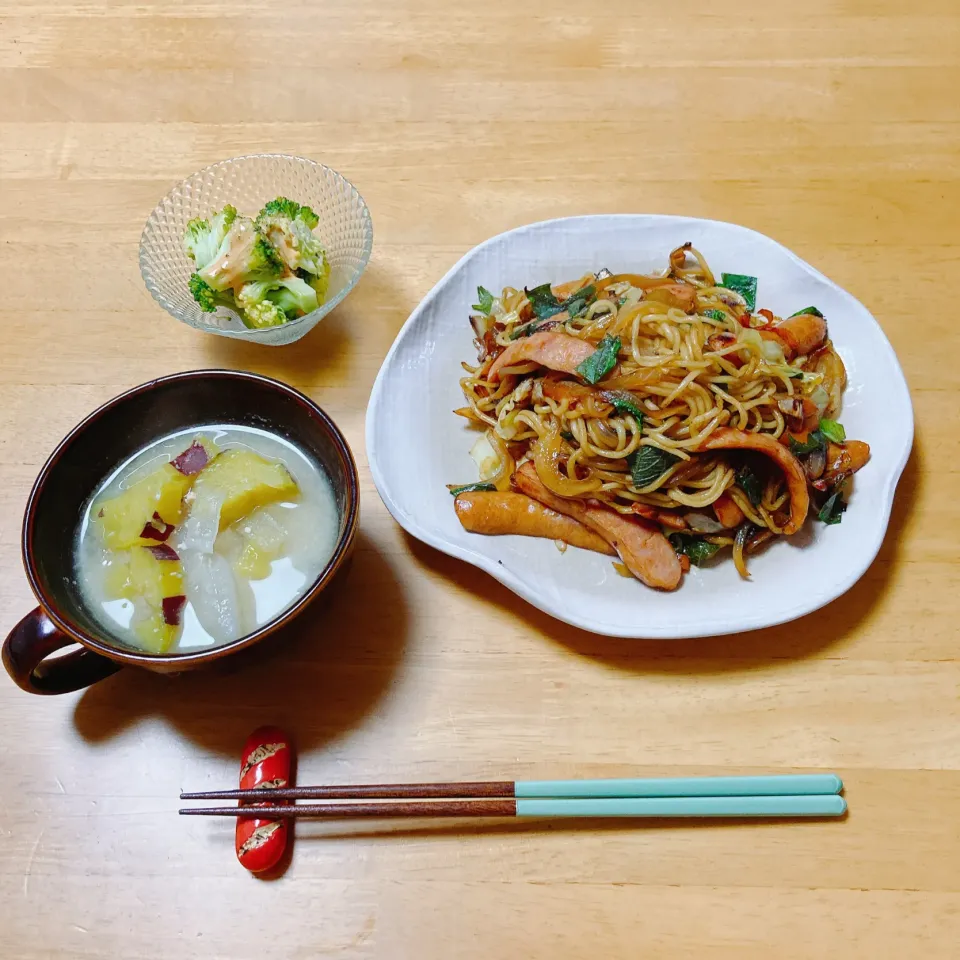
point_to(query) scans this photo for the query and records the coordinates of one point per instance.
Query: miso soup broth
(203, 537)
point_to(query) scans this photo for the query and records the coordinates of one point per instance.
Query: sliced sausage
(514, 513)
(728, 513)
(563, 291)
(798, 336)
(576, 394)
(844, 459)
(723, 341)
(727, 438)
(558, 351)
(645, 551)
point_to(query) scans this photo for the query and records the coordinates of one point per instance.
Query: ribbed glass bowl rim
(252, 334)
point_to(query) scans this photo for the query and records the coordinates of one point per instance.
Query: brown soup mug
(80, 463)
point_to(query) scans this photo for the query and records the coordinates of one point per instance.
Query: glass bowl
(345, 229)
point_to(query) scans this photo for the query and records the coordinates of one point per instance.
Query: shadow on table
(344, 831)
(318, 678)
(326, 349)
(309, 831)
(804, 637)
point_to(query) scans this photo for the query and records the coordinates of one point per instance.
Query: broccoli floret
(244, 257)
(289, 227)
(282, 207)
(319, 281)
(294, 297)
(208, 298)
(291, 295)
(202, 239)
(263, 314)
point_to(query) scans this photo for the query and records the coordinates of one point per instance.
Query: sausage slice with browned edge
(514, 513)
(558, 351)
(645, 551)
(798, 335)
(727, 438)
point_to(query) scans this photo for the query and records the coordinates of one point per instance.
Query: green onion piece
(479, 487)
(486, 301)
(542, 301)
(816, 441)
(579, 300)
(601, 361)
(749, 483)
(833, 431)
(649, 464)
(716, 315)
(527, 330)
(745, 285)
(696, 548)
(623, 400)
(832, 510)
(812, 310)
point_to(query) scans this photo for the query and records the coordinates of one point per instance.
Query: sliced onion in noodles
(493, 460)
(815, 464)
(772, 352)
(758, 539)
(507, 427)
(821, 398)
(636, 280)
(501, 477)
(831, 368)
(485, 457)
(791, 406)
(739, 542)
(599, 316)
(606, 431)
(701, 523)
(546, 459)
(752, 339)
(481, 324)
(632, 296)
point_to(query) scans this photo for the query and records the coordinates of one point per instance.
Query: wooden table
(833, 126)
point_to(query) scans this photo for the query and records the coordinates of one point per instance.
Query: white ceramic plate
(416, 445)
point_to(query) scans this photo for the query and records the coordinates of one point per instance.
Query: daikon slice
(202, 524)
(212, 590)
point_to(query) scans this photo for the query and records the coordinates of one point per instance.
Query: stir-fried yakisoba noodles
(621, 410)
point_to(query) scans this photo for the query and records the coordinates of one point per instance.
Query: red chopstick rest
(266, 763)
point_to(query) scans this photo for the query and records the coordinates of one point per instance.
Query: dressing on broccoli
(269, 270)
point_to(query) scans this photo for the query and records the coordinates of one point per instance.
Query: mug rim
(138, 658)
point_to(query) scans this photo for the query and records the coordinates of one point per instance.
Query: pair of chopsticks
(786, 795)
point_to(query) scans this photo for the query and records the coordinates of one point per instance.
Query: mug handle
(32, 640)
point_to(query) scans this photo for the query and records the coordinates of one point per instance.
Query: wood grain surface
(831, 125)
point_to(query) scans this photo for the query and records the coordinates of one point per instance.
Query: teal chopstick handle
(794, 785)
(816, 805)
